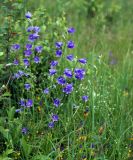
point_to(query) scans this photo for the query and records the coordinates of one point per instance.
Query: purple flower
(52, 71)
(24, 130)
(61, 80)
(36, 59)
(27, 53)
(36, 29)
(85, 98)
(56, 102)
(27, 86)
(28, 15)
(18, 110)
(83, 60)
(46, 91)
(79, 73)
(68, 73)
(51, 125)
(70, 57)
(15, 62)
(29, 103)
(58, 44)
(26, 62)
(28, 46)
(22, 102)
(70, 44)
(71, 30)
(68, 88)
(15, 47)
(53, 63)
(38, 49)
(21, 73)
(29, 29)
(33, 37)
(55, 118)
(58, 53)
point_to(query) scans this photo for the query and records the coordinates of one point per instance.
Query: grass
(105, 132)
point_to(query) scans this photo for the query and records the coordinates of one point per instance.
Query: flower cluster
(63, 79)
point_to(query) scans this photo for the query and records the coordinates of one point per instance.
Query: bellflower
(15, 47)
(26, 62)
(27, 86)
(71, 30)
(28, 15)
(83, 60)
(30, 28)
(22, 102)
(68, 73)
(51, 125)
(68, 88)
(52, 71)
(56, 102)
(55, 118)
(85, 98)
(24, 130)
(36, 29)
(36, 59)
(18, 110)
(70, 57)
(38, 49)
(28, 46)
(70, 44)
(61, 80)
(16, 62)
(29, 103)
(79, 73)
(33, 37)
(27, 53)
(58, 53)
(53, 63)
(46, 91)
(58, 44)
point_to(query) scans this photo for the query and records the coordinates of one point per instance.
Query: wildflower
(15, 62)
(51, 125)
(79, 73)
(85, 98)
(26, 62)
(33, 37)
(27, 53)
(56, 102)
(15, 47)
(22, 103)
(58, 44)
(71, 30)
(68, 73)
(83, 60)
(18, 110)
(55, 118)
(58, 53)
(28, 15)
(29, 103)
(21, 73)
(54, 63)
(38, 49)
(36, 29)
(52, 71)
(70, 44)
(29, 29)
(61, 80)
(46, 91)
(28, 46)
(68, 88)
(70, 57)
(36, 59)
(24, 130)
(27, 86)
